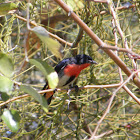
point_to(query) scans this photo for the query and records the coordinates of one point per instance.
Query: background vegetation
(102, 86)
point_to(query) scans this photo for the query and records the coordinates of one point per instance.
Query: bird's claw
(68, 103)
(76, 88)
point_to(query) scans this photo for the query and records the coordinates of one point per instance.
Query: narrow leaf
(47, 70)
(53, 45)
(5, 84)
(6, 65)
(6, 8)
(11, 118)
(36, 96)
(76, 4)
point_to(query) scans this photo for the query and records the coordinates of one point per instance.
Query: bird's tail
(48, 95)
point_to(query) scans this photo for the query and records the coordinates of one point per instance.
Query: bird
(68, 70)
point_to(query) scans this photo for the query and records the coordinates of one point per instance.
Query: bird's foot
(76, 88)
(68, 93)
(68, 100)
(55, 90)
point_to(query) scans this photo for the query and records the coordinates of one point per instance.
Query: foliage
(18, 45)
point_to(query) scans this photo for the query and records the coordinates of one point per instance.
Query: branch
(52, 35)
(133, 55)
(110, 102)
(131, 94)
(98, 41)
(104, 134)
(50, 90)
(85, 125)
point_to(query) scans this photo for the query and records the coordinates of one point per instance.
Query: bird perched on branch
(68, 70)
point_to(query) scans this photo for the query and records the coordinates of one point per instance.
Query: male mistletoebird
(68, 70)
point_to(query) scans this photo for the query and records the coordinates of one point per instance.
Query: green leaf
(53, 45)
(47, 70)
(6, 65)
(4, 96)
(6, 8)
(74, 5)
(5, 84)
(11, 118)
(36, 96)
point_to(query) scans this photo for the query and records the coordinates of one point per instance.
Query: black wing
(61, 65)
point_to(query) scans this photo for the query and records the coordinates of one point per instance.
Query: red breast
(74, 69)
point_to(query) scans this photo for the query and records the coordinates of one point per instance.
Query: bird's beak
(92, 62)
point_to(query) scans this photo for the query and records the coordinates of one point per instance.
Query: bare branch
(50, 90)
(110, 102)
(133, 55)
(97, 40)
(52, 35)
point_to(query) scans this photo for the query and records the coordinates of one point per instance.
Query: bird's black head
(83, 59)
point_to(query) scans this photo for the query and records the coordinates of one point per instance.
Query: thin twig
(50, 90)
(116, 19)
(85, 125)
(52, 35)
(98, 41)
(131, 94)
(77, 40)
(108, 133)
(134, 55)
(110, 102)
